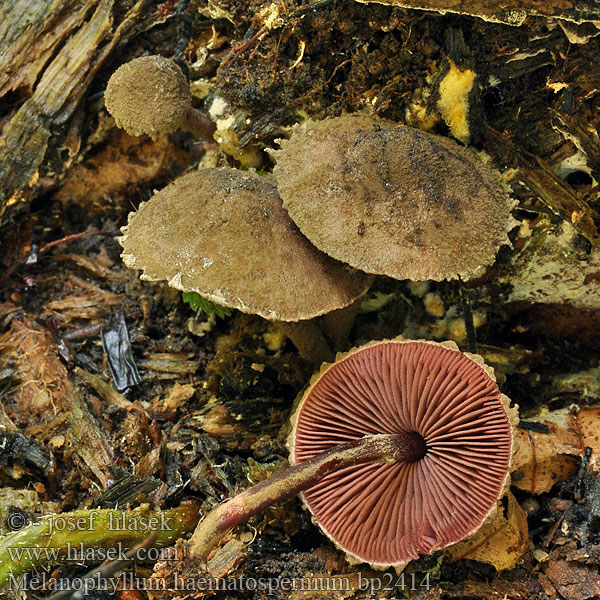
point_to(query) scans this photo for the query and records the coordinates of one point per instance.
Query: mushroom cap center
(409, 447)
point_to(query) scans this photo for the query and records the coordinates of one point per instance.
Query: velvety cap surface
(224, 234)
(148, 95)
(392, 200)
(389, 514)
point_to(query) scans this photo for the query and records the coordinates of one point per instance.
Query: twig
(74, 236)
(585, 459)
(263, 31)
(32, 258)
(468, 317)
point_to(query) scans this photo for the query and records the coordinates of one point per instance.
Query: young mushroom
(150, 95)
(223, 234)
(399, 448)
(393, 200)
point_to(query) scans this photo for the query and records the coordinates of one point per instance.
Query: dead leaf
(178, 396)
(500, 541)
(545, 456)
(571, 580)
(550, 448)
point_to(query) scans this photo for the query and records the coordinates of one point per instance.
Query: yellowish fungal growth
(453, 104)
(434, 304)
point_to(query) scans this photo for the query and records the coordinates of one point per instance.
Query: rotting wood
(62, 85)
(89, 442)
(33, 31)
(557, 195)
(511, 12)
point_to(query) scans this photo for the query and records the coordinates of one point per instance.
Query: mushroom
(401, 447)
(223, 234)
(387, 514)
(151, 95)
(391, 199)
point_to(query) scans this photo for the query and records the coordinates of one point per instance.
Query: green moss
(199, 303)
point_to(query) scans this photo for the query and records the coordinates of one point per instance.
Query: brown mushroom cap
(389, 514)
(148, 95)
(224, 234)
(392, 200)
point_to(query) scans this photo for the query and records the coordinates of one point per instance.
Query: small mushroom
(150, 95)
(401, 447)
(393, 200)
(223, 234)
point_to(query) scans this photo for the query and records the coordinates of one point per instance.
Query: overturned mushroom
(223, 234)
(393, 200)
(388, 514)
(401, 447)
(151, 95)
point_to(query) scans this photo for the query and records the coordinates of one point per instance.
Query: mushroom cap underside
(388, 514)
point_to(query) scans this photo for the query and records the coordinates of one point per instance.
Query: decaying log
(511, 12)
(60, 44)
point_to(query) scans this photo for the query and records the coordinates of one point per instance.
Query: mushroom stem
(338, 323)
(310, 341)
(199, 124)
(405, 447)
